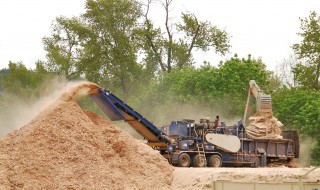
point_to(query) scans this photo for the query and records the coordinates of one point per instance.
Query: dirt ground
(201, 178)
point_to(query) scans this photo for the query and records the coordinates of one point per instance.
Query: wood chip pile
(67, 148)
(264, 125)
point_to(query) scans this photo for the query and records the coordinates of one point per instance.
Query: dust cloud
(164, 114)
(305, 151)
(17, 111)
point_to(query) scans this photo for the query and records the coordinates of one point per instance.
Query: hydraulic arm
(263, 101)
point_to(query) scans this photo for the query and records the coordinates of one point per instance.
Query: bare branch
(195, 36)
(169, 58)
(150, 40)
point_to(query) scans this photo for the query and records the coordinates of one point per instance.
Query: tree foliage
(309, 49)
(21, 81)
(298, 108)
(284, 71)
(202, 35)
(206, 90)
(3, 72)
(63, 47)
(175, 51)
(111, 45)
(100, 45)
(296, 104)
(115, 44)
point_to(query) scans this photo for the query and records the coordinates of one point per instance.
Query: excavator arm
(263, 101)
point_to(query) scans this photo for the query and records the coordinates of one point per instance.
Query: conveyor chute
(116, 110)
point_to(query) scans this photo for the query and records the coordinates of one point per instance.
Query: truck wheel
(184, 160)
(199, 160)
(214, 161)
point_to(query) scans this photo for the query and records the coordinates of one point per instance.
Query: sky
(262, 28)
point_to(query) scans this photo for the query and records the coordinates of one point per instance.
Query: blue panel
(185, 144)
(178, 128)
(107, 107)
(116, 109)
(124, 107)
(209, 147)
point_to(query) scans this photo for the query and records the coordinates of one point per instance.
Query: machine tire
(199, 160)
(184, 160)
(214, 161)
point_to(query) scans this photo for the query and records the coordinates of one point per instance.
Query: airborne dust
(16, 111)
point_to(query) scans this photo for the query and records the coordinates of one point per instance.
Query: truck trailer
(226, 146)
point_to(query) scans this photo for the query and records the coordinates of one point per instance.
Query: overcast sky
(262, 28)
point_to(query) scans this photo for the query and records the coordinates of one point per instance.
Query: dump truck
(187, 143)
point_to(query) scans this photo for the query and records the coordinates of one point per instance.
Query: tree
(3, 72)
(21, 81)
(110, 48)
(194, 92)
(171, 52)
(296, 105)
(203, 35)
(115, 45)
(233, 81)
(304, 75)
(100, 45)
(284, 71)
(63, 47)
(298, 108)
(309, 49)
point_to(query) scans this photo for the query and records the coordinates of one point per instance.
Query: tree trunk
(169, 58)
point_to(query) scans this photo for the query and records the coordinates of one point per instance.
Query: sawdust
(264, 125)
(65, 147)
(202, 178)
(283, 163)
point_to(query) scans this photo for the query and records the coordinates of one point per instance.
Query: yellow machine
(263, 101)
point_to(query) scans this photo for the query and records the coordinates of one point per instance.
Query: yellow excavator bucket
(264, 103)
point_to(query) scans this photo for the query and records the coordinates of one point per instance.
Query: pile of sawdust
(68, 148)
(264, 125)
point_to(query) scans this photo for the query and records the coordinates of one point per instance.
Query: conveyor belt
(116, 110)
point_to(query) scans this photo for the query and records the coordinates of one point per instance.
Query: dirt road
(201, 178)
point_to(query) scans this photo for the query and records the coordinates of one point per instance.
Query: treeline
(198, 92)
(115, 44)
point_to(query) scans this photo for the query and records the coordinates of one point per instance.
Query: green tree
(115, 45)
(110, 48)
(21, 81)
(299, 108)
(176, 52)
(3, 72)
(194, 92)
(308, 49)
(233, 81)
(100, 45)
(203, 35)
(63, 47)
